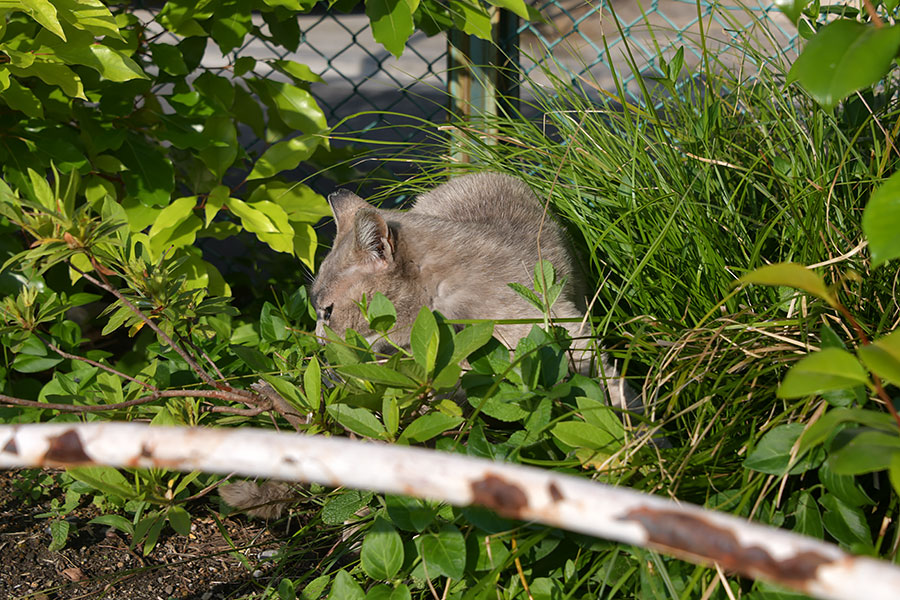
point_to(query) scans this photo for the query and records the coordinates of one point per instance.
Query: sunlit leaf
(791, 275)
(828, 369)
(844, 56)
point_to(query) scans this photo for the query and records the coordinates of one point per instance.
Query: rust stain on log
(499, 495)
(66, 449)
(555, 494)
(10, 447)
(689, 535)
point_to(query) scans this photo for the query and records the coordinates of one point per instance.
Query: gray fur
(453, 251)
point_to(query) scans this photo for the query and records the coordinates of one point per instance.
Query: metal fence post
(484, 74)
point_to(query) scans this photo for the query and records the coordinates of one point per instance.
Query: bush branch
(149, 322)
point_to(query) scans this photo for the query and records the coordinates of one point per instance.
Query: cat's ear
(344, 206)
(373, 236)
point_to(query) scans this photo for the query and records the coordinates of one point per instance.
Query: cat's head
(366, 258)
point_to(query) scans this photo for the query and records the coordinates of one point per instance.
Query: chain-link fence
(374, 97)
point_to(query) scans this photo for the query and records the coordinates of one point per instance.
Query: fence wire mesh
(377, 98)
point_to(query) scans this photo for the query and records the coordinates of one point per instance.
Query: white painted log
(530, 494)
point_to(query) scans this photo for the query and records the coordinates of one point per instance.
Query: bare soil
(98, 563)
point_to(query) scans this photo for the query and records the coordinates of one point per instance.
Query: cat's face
(363, 260)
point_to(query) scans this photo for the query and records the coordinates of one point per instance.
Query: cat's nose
(320, 331)
(339, 194)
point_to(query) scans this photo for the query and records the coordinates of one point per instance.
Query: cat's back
(486, 198)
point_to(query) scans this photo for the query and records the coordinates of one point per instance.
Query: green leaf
(822, 429)
(381, 555)
(299, 201)
(881, 221)
(173, 215)
(345, 588)
(847, 524)
(214, 202)
(44, 13)
(843, 486)
(296, 107)
(295, 70)
(772, 454)
(894, 473)
(111, 64)
(54, 74)
(392, 22)
(866, 452)
(444, 553)
(116, 521)
(807, 518)
(181, 234)
(341, 507)
(515, 6)
(180, 520)
(844, 56)
(428, 426)
(378, 374)
(471, 18)
(360, 421)
(253, 358)
(528, 295)
(168, 58)
(381, 313)
(153, 531)
(471, 338)
(26, 363)
(88, 15)
(791, 275)
(106, 479)
(828, 369)
(882, 357)
(410, 514)
(792, 9)
(424, 340)
(383, 591)
(272, 326)
(223, 150)
(267, 220)
(284, 156)
(19, 97)
(578, 434)
(150, 176)
(312, 383)
(313, 591)
(59, 533)
(230, 24)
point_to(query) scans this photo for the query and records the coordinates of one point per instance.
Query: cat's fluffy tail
(261, 500)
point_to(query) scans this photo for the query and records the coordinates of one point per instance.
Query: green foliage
(121, 155)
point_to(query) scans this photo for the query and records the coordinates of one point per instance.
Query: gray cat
(454, 251)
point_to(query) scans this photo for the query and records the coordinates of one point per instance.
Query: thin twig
(202, 353)
(241, 412)
(282, 406)
(228, 396)
(106, 368)
(873, 14)
(4, 399)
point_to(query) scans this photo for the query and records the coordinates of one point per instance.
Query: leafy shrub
(120, 155)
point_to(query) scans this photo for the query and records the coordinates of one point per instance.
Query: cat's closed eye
(325, 313)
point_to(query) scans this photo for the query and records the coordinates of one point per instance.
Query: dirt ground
(97, 562)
